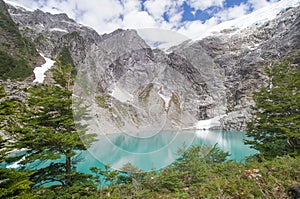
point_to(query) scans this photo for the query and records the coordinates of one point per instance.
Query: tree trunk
(101, 191)
(68, 171)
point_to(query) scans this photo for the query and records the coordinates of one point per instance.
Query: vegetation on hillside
(17, 54)
(11, 68)
(276, 125)
(13, 183)
(47, 131)
(45, 127)
(65, 59)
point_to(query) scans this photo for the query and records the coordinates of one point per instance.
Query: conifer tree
(276, 124)
(9, 109)
(13, 183)
(49, 131)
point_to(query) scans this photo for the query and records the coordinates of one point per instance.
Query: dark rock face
(199, 80)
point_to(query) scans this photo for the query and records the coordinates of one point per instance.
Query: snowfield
(39, 71)
(255, 18)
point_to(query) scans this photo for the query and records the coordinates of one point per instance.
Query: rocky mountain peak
(123, 41)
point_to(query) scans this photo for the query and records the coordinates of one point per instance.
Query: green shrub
(11, 68)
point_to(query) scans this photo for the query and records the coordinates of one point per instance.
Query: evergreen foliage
(65, 58)
(13, 183)
(276, 125)
(62, 74)
(12, 68)
(10, 110)
(45, 127)
(49, 131)
(104, 177)
(195, 175)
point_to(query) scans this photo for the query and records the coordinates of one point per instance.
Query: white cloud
(171, 8)
(161, 37)
(198, 29)
(190, 27)
(17, 4)
(204, 4)
(107, 15)
(56, 7)
(233, 12)
(130, 5)
(104, 16)
(157, 8)
(138, 19)
(256, 4)
(175, 16)
(105, 10)
(25, 4)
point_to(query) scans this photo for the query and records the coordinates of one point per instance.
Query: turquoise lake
(156, 151)
(159, 150)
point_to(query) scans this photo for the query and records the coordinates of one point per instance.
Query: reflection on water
(161, 149)
(156, 151)
(228, 141)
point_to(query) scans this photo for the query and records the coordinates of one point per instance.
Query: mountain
(131, 87)
(18, 55)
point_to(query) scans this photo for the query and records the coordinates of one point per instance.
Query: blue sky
(188, 17)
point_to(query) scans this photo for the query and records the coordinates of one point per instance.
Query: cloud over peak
(185, 16)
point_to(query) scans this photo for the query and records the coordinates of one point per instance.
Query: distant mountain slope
(17, 54)
(235, 60)
(132, 85)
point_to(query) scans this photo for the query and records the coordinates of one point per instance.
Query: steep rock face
(137, 89)
(238, 60)
(130, 86)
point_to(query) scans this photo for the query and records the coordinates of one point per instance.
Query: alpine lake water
(157, 151)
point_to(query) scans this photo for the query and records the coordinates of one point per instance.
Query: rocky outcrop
(129, 86)
(15, 90)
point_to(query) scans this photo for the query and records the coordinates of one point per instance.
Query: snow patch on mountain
(39, 71)
(58, 29)
(256, 18)
(17, 5)
(210, 123)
